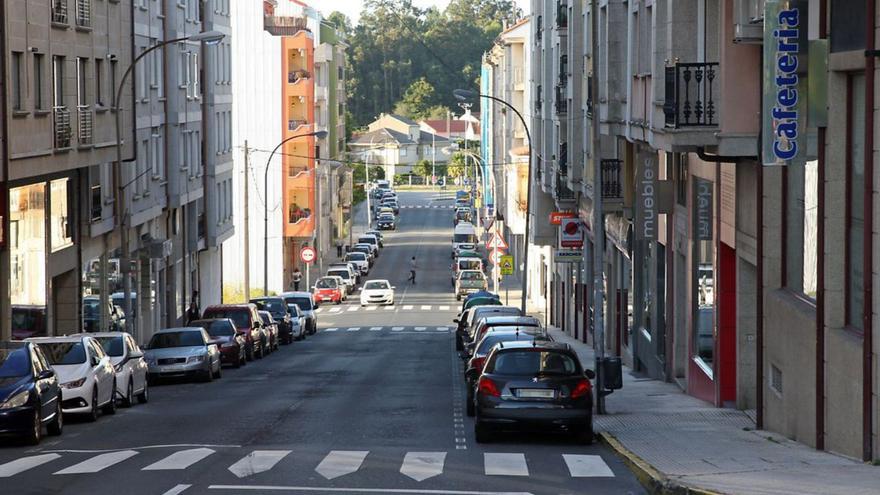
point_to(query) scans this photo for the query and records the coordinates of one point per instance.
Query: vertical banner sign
(784, 91)
(705, 203)
(646, 212)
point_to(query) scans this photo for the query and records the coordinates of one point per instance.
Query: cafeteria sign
(785, 44)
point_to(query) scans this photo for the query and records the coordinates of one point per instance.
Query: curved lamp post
(465, 95)
(318, 134)
(206, 37)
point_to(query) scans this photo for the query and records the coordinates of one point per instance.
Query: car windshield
(274, 306)
(304, 303)
(471, 275)
(293, 309)
(64, 352)
(534, 362)
(376, 286)
(326, 283)
(218, 328)
(494, 338)
(469, 265)
(367, 240)
(386, 216)
(176, 339)
(238, 316)
(339, 273)
(14, 362)
(113, 346)
(464, 238)
(356, 257)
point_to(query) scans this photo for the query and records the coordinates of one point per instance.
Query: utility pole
(598, 219)
(247, 224)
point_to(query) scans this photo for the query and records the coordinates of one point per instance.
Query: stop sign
(307, 255)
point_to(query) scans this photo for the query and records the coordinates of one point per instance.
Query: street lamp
(466, 94)
(206, 37)
(322, 134)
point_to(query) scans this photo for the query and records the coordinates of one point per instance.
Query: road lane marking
(341, 462)
(179, 460)
(335, 310)
(257, 462)
(397, 329)
(505, 465)
(443, 308)
(144, 447)
(407, 307)
(388, 308)
(319, 310)
(99, 462)
(375, 329)
(587, 466)
(177, 490)
(371, 308)
(21, 465)
(423, 465)
(315, 489)
(352, 309)
(353, 329)
(442, 329)
(426, 308)
(420, 329)
(331, 329)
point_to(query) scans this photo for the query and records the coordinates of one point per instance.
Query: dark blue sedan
(30, 396)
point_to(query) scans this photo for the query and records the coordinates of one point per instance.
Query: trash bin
(612, 373)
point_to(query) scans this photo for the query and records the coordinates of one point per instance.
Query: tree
(423, 168)
(341, 21)
(457, 165)
(418, 101)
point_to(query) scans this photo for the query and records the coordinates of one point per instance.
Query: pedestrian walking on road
(339, 248)
(412, 270)
(297, 278)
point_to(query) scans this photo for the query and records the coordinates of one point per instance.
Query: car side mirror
(46, 374)
(590, 374)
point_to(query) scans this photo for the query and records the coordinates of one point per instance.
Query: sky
(352, 8)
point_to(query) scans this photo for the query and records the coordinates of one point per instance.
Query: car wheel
(92, 416)
(470, 408)
(481, 433)
(110, 407)
(36, 434)
(144, 396)
(128, 400)
(208, 375)
(57, 425)
(219, 373)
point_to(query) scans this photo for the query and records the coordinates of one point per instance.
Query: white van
(461, 264)
(464, 233)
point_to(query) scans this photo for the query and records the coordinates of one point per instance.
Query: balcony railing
(84, 13)
(561, 100)
(563, 193)
(562, 14)
(96, 204)
(563, 70)
(85, 120)
(295, 124)
(296, 76)
(61, 119)
(612, 187)
(59, 11)
(563, 159)
(284, 25)
(690, 95)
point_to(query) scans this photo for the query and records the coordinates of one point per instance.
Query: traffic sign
(570, 234)
(507, 264)
(567, 256)
(307, 255)
(496, 242)
(495, 257)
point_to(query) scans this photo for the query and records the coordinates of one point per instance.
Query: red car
(246, 321)
(229, 340)
(328, 289)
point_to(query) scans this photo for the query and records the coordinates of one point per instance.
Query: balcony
(294, 124)
(59, 11)
(298, 75)
(84, 13)
(562, 194)
(563, 70)
(61, 120)
(562, 14)
(561, 100)
(285, 25)
(95, 204)
(612, 185)
(690, 95)
(85, 121)
(563, 160)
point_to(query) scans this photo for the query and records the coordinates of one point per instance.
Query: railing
(61, 118)
(539, 97)
(562, 14)
(84, 13)
(563, 70)
(563, 159)
(563, 193)
(284, 25)
(561, 100)
(85, 120)
(590, 96)
(612, 187)
(295, 124)
(59, 11)
(690, 95)
(296, 76)
(96, 204)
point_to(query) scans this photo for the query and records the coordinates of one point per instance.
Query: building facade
(397, 143)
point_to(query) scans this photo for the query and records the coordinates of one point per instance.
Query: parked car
(30, 395)
(360, 260)
(128, 360)
(379, 236)
(246, 320)
(464, 233)
(92, 315)
(466, 319)
(462, 263)
(306, 304)
(353, 270)
(28, 321)
(87, 378)
(386, 221)
(367, 250)
(297, 323)
(346, 276)
(278, 308)
(535, 385)
(470, 302)
(343, 285)
(391, 203)
(371, 240)
(383, 210)
(328, 289)
(469, 281)
(485, 324)
(231, 343)
(377, 292)
(474, 367)
(270, 328)
(183, 352)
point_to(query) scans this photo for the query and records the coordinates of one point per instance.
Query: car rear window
(326, 283)
(113, 346)
(64, 352)
(219, 328)
(376, 285)
(274, 306)
(356, 257)
(471, 276)
(492, 339)
(241, 317)
(304, 303)
(339, 273)
(464, 238)
(14, 362)
(176, 339)
(533, 362)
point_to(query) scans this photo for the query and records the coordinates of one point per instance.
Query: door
(46, 387)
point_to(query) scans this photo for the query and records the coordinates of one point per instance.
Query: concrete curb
(654, 481)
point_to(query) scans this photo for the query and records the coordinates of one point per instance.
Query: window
(58, 81)
(99, 82)
(113, 67)
(855, 223)
(704, 285)
(17, 90)
(184, 69)
(196, 90)
(141, 73)
(39, 71)
(847, 24)
(59, 218)
(156, 154)
(403, 151)
(802, 198)
(681, 173)
(81, 65)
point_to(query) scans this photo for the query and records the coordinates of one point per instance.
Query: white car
(131, 367)
(351, 267)
(359, 260)
(345, 274)
(342, 283)
(373, 250)
(85, 373)
(377, 292)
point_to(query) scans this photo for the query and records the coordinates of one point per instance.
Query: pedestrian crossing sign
(507, 264)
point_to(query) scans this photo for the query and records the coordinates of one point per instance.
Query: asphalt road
(371, 404)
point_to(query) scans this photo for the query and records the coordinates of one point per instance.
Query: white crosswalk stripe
(443, 308)
(371, 308)
(407, 307)
(397, 329)
(375, 329)
(319, 310)
(426, 308)
(341, 462)
(256, 462)
(442, 329)
(25, 463)
(388, 308)
(331, 329)
(423, 465)
(505, 465)
(420, 329)
(99, 462)
(179, 460)
(353, 329)
(335, 310)
(353, 308)
(587, 466)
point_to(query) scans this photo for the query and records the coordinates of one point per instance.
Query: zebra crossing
(395, 329)
(343, 309)
(416, 465)
(427, 207)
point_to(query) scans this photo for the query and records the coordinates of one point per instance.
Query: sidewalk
(676, 443)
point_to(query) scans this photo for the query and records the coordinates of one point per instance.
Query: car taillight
(478, 362)
(488, 387)
(581, 389)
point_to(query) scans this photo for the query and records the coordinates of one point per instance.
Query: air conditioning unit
(748, 21)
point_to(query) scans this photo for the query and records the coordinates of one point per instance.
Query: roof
(535, 344)
(296, 294)
(518, 23)
(403, 119)
(379, 136)
(427, 137)
(458, 126)
(59, 338)
(495, 320)
(180, 329)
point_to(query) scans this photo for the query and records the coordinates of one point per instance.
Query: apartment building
(738, 200)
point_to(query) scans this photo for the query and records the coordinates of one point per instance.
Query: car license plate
(535, 393)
